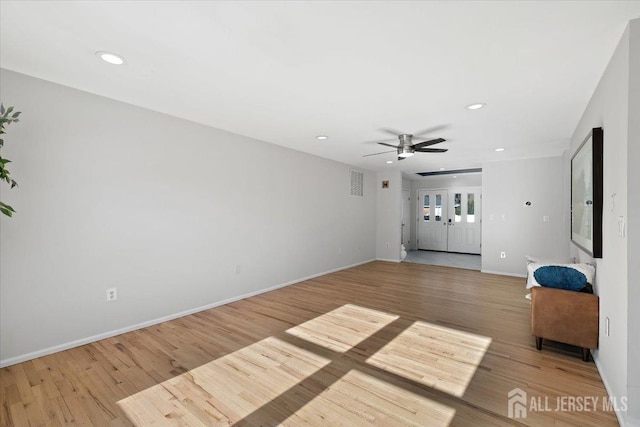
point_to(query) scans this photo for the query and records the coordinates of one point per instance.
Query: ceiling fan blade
(431, 150)
(381, 140)
(375, 154)
(430, 130)
(391, 131)
(428, 143)
(387, 145)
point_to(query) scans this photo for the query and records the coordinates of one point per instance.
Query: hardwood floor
(380, 344)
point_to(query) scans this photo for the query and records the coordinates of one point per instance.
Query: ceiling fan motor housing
(405, 149)
(405, 139)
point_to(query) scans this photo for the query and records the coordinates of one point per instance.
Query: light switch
(545, 218)
(621, 226)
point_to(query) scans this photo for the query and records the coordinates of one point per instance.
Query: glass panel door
(432, 220)
(465, 228)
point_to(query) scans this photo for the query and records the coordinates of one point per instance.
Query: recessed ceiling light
(111, 58)
(321, 137)
(389, 162)
(441, 169)
(476, 106)
(499, 149)
(455, 176)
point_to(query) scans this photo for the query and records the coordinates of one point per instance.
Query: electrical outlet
(238, 269)
(503, 254)
(112, 294)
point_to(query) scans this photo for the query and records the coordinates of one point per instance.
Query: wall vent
(357, 183)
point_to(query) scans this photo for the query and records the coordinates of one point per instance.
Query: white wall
(406, 184)
(633, 226)
(448, 181)
(434, 182)
(112, 195)
(609, 108)
(508, 225)
(389, 221)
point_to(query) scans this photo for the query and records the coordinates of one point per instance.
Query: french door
(450, 220)
(432, 220)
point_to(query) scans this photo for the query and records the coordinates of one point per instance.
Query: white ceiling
(284, 72)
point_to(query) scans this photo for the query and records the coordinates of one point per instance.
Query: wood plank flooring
(380, 344)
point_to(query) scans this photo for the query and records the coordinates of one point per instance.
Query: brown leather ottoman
(565, 316)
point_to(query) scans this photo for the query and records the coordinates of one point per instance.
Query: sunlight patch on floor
(439, 357)
(371, 401)
(343, 328)
(225, 390)
(274, 381)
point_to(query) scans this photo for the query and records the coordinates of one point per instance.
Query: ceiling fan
(407, 149)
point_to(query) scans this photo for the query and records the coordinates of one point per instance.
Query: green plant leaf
(6, 118)
(6, 209)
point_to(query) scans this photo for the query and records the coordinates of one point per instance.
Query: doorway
(449, 220)
(406, 210)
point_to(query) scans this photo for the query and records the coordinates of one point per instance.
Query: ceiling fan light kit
(405, 151)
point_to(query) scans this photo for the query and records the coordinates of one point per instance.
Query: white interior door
(464, 222)
(405, 218)
(432, 220)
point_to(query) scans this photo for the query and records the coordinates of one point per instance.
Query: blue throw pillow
(560, 277)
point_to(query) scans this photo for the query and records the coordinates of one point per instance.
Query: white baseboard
(502, 273)
(619, 416)
(88, 340)
(388, 260)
